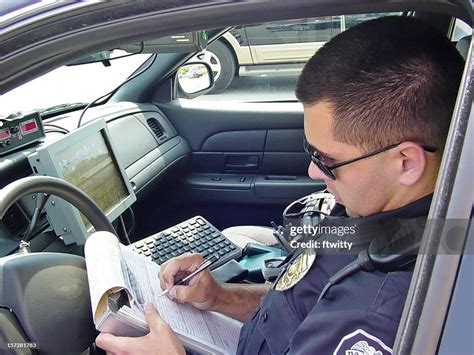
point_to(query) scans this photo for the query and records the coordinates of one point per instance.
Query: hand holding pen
(201, 267)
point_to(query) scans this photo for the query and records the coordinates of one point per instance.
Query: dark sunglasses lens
(323, 167)
(315, 158)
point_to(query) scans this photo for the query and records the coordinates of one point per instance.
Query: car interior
(179, 159)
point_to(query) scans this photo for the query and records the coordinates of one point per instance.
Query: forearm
(239, 301)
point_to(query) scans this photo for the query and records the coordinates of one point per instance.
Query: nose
(315, 173)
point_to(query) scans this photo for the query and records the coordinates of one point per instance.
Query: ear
(412, 162)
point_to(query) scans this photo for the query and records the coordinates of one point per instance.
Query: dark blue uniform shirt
(357, 316)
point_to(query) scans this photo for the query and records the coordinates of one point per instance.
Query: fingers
(182, 264)
(160, 332)
(181, 294)
(160, 340)
(194, 280)
(153, 318)
(113, 344)
(187, 294)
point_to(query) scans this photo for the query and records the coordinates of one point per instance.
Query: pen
(201, 267)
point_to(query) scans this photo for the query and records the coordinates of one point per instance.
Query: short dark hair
(388, 80)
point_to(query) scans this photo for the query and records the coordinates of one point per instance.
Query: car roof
(42, 38)
(35, 41)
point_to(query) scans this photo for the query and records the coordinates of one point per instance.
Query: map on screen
(88, 165)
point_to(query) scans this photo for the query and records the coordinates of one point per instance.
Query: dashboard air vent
(155, 127)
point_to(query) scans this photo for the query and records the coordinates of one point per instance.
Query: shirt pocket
(248, 334)
(277, 323)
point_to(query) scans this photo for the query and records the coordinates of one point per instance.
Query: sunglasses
(318, 159)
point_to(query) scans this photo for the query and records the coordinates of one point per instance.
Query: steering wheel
(44, 297)
(57, 187)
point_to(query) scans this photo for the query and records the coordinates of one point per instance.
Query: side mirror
(194, 79)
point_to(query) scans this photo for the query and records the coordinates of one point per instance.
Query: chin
(351, 213)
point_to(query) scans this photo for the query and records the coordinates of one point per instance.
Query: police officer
(377, 99)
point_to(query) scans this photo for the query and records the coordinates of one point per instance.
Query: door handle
(247, 166)
(242, 162)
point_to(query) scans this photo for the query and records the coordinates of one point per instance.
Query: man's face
(364, 187)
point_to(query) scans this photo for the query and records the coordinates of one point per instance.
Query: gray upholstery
(242, 235)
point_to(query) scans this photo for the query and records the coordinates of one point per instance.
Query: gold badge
(296, 271)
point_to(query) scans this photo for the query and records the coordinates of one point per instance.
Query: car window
(461, 30)
(70, 84)
(261, 62)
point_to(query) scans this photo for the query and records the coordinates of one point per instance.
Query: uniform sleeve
(354, 332)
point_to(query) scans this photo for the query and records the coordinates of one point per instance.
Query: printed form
(213, 329)
(104, 250)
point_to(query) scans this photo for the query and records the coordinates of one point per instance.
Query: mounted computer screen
(86, 159)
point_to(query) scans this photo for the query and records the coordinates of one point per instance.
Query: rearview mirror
(187, 42)
(105, 57)
(194, 79)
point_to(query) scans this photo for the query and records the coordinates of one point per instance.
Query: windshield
(69, 85)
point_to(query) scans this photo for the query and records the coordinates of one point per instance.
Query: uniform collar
(418, 208)
(387, 223)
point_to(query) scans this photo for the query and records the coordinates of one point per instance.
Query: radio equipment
(19, 130)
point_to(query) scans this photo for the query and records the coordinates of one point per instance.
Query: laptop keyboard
(195, 235)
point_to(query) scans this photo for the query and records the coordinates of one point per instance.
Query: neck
(406, 194)
(405, 198)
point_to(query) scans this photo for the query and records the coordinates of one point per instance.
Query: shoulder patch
(361, 343)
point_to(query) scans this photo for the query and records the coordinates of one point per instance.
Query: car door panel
(242, 156)
(239, 141)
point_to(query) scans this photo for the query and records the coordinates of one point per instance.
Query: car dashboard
(146, 145)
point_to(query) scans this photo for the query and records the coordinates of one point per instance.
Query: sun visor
(187, 42)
